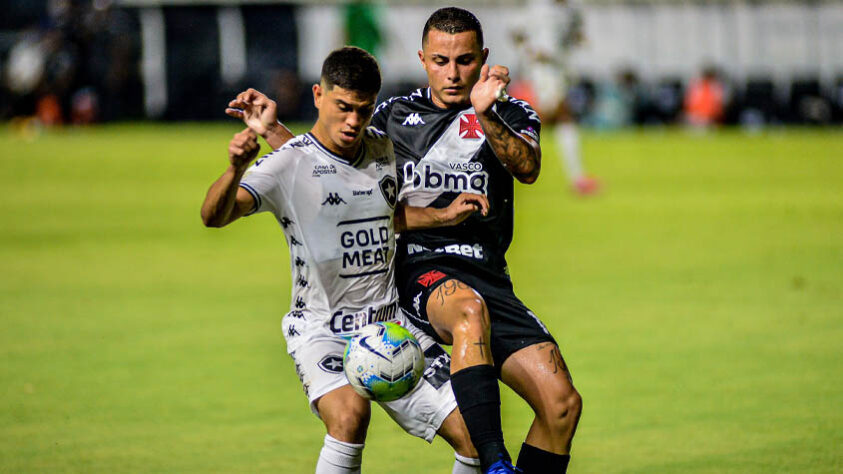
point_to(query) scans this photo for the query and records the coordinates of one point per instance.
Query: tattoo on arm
(517, 155)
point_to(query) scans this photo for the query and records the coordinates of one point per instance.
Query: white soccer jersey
(338, 221)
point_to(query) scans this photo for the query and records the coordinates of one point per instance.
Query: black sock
(479, 398)
(538, 461)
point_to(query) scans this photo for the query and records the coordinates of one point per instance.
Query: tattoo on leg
(481, 345)
(556, 360)
(449, 288)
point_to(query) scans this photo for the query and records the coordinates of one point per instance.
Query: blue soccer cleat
(503, 467)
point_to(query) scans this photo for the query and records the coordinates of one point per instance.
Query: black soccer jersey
(441, 153)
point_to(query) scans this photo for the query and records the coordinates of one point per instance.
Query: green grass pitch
(698, 301)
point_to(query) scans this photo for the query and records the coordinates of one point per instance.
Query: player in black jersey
(452, 137)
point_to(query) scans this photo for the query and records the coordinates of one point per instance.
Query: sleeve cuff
(255, 196)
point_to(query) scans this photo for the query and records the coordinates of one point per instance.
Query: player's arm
(226, 201)
(413, 218)
(259, 113)
(520, 154)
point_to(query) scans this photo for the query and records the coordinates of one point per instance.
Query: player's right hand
(465, 205)
(255, 109)
(243, 148)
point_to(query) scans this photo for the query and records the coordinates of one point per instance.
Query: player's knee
(564, 411)
(472, 317)
(349, 425)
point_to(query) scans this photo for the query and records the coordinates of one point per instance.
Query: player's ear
(485, 54)
(421, 56)
(317, 95)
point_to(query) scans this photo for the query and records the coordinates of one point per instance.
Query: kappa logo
(413, 120)
(389, 188)
(417, 303)
(334, 199)
(470, 127)
(285, 222)
(430, 278)
(331, 363)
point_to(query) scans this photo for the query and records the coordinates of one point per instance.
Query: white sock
(339, 457)
(568, 137)
(464, 465)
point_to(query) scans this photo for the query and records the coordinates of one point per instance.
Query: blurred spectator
(82, 55)
(616, 102)
(705, 99)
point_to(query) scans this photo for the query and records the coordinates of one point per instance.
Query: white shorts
(421, 412)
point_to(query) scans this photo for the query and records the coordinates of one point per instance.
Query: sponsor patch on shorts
(430, 278)
(331, 363)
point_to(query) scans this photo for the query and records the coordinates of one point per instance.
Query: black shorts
(513, 325)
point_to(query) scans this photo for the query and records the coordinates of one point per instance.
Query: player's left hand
(487, 89)
(463, 206)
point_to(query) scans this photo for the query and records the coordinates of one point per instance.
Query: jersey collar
(336, 157)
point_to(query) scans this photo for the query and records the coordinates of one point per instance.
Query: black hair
(453, 20)
(352, 68)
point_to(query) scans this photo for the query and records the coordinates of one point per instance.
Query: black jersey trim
(359, 221)
(336, 157)
(357, 275)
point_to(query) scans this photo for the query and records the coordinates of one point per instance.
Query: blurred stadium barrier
(94, 60)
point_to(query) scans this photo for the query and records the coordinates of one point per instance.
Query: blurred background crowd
(645, 62)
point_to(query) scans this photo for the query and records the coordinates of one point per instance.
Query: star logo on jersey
(413, 120)
(389, 188)
(470, 127)
(331, 363)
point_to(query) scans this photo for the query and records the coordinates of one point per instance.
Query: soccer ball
(383, 362)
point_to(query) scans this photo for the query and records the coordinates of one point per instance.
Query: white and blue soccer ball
(383, 362)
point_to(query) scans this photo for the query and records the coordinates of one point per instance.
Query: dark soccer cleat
(503, 467)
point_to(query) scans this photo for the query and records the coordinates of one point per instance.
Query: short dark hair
(352, 68)
(453, 20)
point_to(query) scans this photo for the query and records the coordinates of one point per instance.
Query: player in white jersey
(333, 191)
(554, 29)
